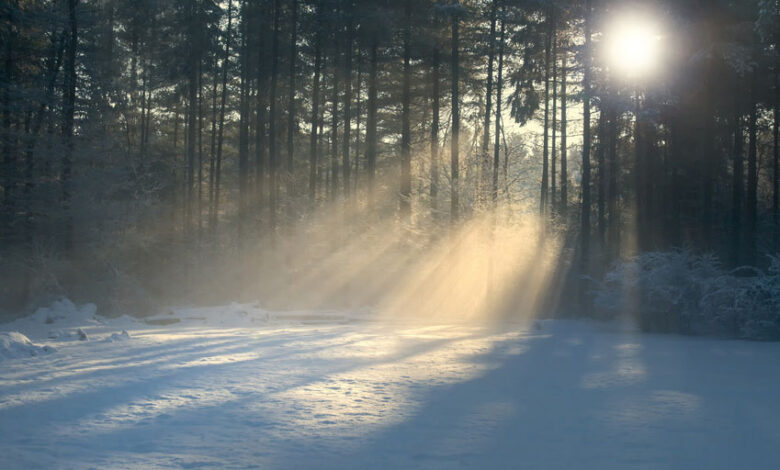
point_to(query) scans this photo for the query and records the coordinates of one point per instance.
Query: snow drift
(14, 345)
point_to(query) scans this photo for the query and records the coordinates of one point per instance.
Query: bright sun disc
(632, 47)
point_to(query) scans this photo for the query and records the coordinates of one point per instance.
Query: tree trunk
(69, 110)
(261, 162)
(315, 106)
(371, 123)
(545, 139)
(737, 188)
(9, 151)
(435, 91)
(192, 102)
(585, 217)
(220, 136)
(200, 146)
(346, 165)
(322, 169)
(213, 147)
(640, 173)
(613, 238)
(334, 128)
(752, 177)
(291, 102)
(272, 148)
(485, 156)
(405, 204)
(243, 128)
(776, 162)
(358, 117)
(564, 149)
(499, 91)
(455, 139)
(601, 172)
(553, 155)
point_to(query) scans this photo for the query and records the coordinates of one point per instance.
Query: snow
(219, 388)
(15, 345)
(123, 336)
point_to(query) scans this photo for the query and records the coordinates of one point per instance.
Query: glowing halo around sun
(632, 46)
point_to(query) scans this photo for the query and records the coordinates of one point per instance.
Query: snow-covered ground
(240, 387)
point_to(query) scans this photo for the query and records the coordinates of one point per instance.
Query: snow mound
(123, 336)
(15, 345)
(65, 312)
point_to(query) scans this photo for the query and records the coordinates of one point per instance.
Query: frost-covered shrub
(679, 291)
(760, 318)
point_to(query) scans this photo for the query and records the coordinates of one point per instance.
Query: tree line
(222, 120)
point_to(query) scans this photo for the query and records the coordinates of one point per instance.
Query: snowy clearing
(239, 387)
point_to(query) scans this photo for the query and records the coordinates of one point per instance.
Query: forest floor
(239, 387)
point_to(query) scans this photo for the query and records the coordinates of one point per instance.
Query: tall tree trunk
(640, 174)
(776, 161)
(133, 91)
(69, 110)
(272, 147)
(554, 127)
(553, 155)
(545, 139)
(322, 169)
(213, 147)
(499, 91)
(738, 190)
(184, 193)
(261, 135)
(613, 120)
(220, 135)
(200, 147)
(406, 138)
(358, 116)
(243, 127)
(192, 100)
(455, 139)
(435, 91)
(291, 102)
(564, 149)
(585, 216)
(346, 166)
(371, 122)
(485, 156)
(176, 125)
(752, 176)
(601, 173)
(334, 127)
(144, 83)
(9, 151)
(315, 106)
(712, 164)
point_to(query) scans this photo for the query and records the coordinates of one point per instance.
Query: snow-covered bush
(679, 291)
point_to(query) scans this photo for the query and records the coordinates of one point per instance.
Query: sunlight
(350, 259)
(632, 46)
(483, 272)
(384, 390)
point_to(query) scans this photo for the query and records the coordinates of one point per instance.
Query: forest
(389, 234)
(565, 156)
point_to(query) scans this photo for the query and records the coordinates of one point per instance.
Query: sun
(632, 46)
